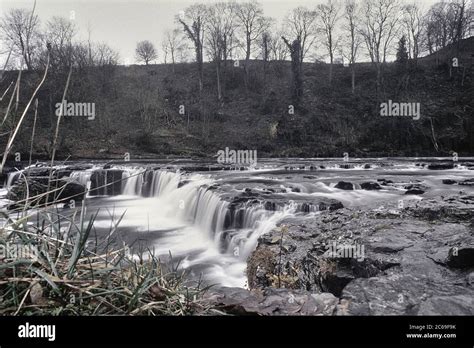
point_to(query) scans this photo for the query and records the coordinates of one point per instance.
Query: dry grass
(51, 265)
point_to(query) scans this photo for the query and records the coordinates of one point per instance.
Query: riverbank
(414, 260)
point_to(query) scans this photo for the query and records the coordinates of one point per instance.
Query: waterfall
(12, 178)
(81, 176)
(163, 182)
(195, 203)
(210, 211)
(132, 182)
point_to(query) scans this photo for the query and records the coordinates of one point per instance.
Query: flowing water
(210, 221)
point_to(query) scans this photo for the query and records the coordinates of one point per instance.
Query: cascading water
(132, 182)
(194, 223)
(81, 176)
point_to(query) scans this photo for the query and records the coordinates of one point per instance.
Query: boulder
(272, 301)
(385, 182)
(449, 182)
(461, 257)
(414, 191)
(343, 185)
(370, 186)
(441, 166)
(467, 182)
(65, 190)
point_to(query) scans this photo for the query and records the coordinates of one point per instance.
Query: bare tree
(253, 23)
(461, 19)
(437, 27)
(220, 27)
(413, 22)
(301, 22)
(173, 44)
(446, 23)
(19, 30)
(166, 49)
(351, 28)
(59, 34)
(278, 49)
(103, 54)
(379, 28)
(145, 52)
(193, 22)
(329, 14)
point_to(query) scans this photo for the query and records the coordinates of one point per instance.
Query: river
(208, 220)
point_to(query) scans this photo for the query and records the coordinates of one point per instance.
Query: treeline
(26, 42)
(234, 77)
(334, 32)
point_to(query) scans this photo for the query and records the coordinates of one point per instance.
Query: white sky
(122, 23)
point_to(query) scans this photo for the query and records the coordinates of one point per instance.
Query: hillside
(138, 111)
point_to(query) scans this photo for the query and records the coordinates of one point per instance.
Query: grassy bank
(53, 264)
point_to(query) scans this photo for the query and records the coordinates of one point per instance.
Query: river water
(210, 221)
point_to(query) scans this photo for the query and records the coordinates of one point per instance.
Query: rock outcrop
(387, 261)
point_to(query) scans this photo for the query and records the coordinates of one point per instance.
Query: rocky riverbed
(416, 259)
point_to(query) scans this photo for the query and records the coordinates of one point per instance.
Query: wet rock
(370, 186)
(448, 305)
(449, 182)
(330, 204)
(460, 257)
(470, 278)
(441, 166)
(210, 168)
(37, 171)
(346, 166)
(467, 182)
(408, 266)
(414, 191)
(249, 193)
(185, 182)
(106, 182)
(388, 248)
(61, 190)
(79, 166)
(343, 185)
(146, 189)
(367, 166)
(385, 182)
(272, 301)
(62, 173)
(452, 208)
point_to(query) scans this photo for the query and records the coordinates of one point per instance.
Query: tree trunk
(353, 78)
(218, 77)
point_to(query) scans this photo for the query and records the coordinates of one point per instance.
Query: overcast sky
(122, 23)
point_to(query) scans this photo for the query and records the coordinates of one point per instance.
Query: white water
(182, 214)
(188, 222)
